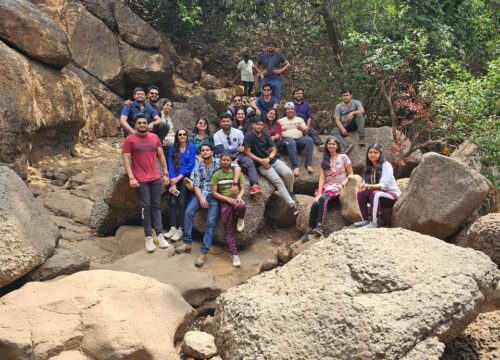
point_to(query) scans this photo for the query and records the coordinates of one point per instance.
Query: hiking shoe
(188, 184)
(294, 197)
(236, 261)
(370, 225)
(317, 230)
(200, 260)
(305, 237)
(161, 241)
(177, 236)
(183, 249)
(347, 149)
(321, 147)
(255, 189)
(296, 208)
(361, 223)
(361, 142)
(240, 225)
(150, 245)
(170, 233)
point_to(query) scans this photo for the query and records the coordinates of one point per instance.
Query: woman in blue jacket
(181, 160)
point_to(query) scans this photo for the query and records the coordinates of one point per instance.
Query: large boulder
(28, 236)
(202, 109)
(103, 9)
(41, 38)
(134, 30)
(360, 294)
(42, 116)
(62, 262)
(279, 213)
(220, 99)
(93, 45)
(441, 195)
(105, 315)
(349, 199)
(484, 235)
(183, 117)
(190, 69)
(468, 154)
(70, 206)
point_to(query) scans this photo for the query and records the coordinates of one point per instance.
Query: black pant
(161, 130)
(247, 87)
(315, 136)
(177, 206)
(317, 215)
(150, 200)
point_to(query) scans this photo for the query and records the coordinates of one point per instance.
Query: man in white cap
(294, 138)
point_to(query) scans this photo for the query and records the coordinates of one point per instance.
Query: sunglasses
(228, 141)
(182, 134)
(266, 89)
(153, 93)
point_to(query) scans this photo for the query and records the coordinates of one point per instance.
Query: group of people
(201, 170)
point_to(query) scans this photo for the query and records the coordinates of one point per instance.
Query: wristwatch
(235, 182)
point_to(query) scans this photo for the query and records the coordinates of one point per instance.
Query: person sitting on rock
(303, 110)
(378, 187)
(153, 95)
(272, 126)
(139, 105)
(203, 198)
(165, 117)
(333, 173)
(200, 135)
(139, 153)
(230, 140)
(241, 121)
(238, 104)
(265, 102)
(261, 149)
(231, 207)
(181, 161)
(349, 117)
(294, 138)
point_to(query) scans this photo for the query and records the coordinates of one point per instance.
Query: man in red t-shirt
(139, 152)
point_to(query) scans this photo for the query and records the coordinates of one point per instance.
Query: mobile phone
(176, 192)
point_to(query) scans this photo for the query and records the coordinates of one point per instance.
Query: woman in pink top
(335, 168)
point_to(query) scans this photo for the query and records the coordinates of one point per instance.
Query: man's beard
(142, 131)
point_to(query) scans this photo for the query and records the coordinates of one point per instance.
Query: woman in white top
(379, 186)
(245, 67)
(166, 109)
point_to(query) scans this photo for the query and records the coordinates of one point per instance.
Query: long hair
(274, 125)
(176, 156)
(235, 120)
(325, 162)
(369, 167)
(195, 129)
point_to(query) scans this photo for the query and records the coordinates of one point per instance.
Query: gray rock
(199, 345)
(219, 99)
(279, 213)
(202, 109)
(41, 38)
(182, 117)
(103, 10)
(484, 235)
(134, 30)
(28, 236)
(441, 195)
(360, 294)
(190, 69)
(64, 204)
(62, 262)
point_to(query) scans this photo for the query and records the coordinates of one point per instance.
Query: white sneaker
(161, 241)
(177, 236)
(370, 225)
(236, 261)
(150, 246)
(170, 233)
(240, 225)
(361, 223)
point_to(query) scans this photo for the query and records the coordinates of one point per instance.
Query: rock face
(484, 235)
(103, 10)
(360, 294)
(199, 345)
(441, 195)
(349, 199)
(190, 69)
(62, 262)
(41, 38)
(279, 213)
(106, 315)
(28, 237)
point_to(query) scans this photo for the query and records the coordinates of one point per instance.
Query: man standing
(203, 198)
(261, 149)
(139, 105)
(245, 67)
(294, 138)
(232, 207)
(303, 110)
(348, 118)
(268, 66)
(139, 153)
(230, 140)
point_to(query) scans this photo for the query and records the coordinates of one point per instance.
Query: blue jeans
(275, 85)
(212, 214)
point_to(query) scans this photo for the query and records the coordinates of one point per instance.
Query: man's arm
(128, 169)
(248, 152)
(283, 69)
(163, 162)
(124, 124)
(343, 131)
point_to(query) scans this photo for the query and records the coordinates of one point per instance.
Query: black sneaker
(361, 142)
(305, 237)
(317, 230)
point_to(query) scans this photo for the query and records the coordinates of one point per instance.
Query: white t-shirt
(235, 137)
(246, 70)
